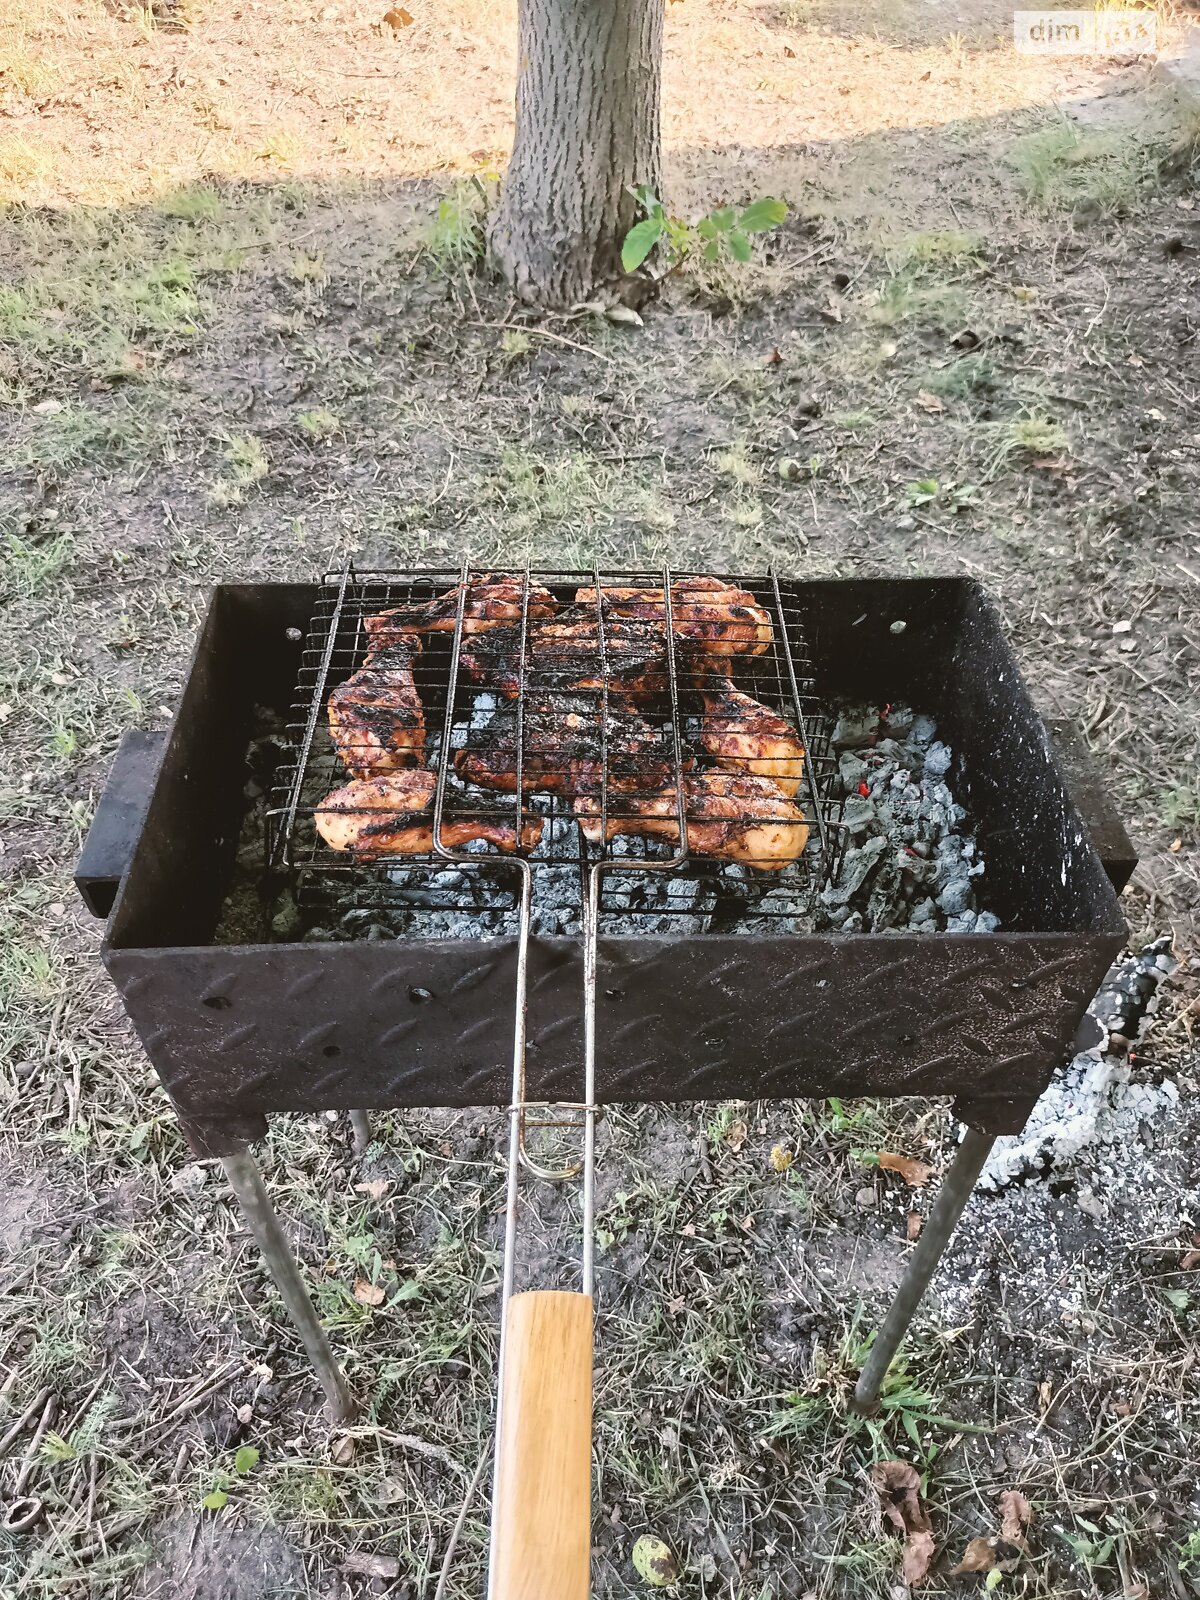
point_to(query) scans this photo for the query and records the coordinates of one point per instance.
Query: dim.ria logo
(1085, 33)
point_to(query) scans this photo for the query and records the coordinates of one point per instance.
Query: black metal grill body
(236, 1032)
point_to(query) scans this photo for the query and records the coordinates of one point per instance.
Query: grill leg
(246, 1182)
(957, 1187)
(360, 1127)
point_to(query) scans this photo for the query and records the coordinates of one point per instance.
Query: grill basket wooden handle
(541, 1532)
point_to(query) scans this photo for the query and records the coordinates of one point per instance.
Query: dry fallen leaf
(341, 1451)
(782, 1158)
(918, 1558)
(898, 1486)
(1015, 1516)
(915, 1173)
(398, 18)
(376, 1188)
(979, 1556)
(367, 1294)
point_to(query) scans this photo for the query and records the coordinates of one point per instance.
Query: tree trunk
(589, 90)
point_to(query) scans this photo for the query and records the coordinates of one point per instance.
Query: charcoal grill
(606, 1010)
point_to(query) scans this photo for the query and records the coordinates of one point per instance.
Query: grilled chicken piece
(562, 751)
(710, 615)
(391, 815)
(743, 735)
(493, 599)
(564, 655)
(734, 817)
(376, 719)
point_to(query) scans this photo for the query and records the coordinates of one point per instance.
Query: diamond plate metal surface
(986, 1018)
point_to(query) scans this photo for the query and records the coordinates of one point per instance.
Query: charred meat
(391, 815)
(567, 654)
(733, 817)
(743, 735)
(493, 600)
(376, 719)
(563, 750)
(708, 615)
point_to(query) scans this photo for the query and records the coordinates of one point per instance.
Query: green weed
(457, 236)
(319, 423)
(723, 234)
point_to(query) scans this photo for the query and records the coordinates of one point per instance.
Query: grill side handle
(1085, 783)
(108, 848)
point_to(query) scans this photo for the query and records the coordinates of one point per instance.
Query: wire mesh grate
(562, 715)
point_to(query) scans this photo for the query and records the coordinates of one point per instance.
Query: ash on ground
(1096, 1108)
(1102, 1172)
(910, 862)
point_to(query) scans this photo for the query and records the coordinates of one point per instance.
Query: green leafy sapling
(723, 232)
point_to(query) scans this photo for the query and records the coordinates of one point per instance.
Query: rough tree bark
(588, 126)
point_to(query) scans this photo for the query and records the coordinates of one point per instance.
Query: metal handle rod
(246, 1182)
(522, 867)
(591, 908)
(957, 1187)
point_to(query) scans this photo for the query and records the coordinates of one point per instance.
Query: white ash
(1103, 1175)
(1095, 1109)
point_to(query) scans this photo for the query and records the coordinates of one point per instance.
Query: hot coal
(911, 863)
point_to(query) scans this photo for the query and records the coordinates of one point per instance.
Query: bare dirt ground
(243, 333)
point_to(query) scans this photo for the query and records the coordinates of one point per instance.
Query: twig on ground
(30, 1411)
(29, 1464)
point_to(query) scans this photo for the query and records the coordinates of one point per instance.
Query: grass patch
(1061, 169)
(197, 202)
(1023, 438)
(94, 292)
(533, 491)
(457, 233)
(319, 423)
(248, 463)
(970, 375)
(28, 567)
(23, 166)
(911, 294)
(954, 247)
